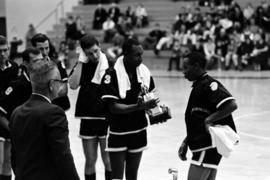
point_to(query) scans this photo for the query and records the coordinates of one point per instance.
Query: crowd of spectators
(118, 25)
(131, 17)
(228, 35)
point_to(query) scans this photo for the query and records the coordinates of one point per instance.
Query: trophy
(158, 114)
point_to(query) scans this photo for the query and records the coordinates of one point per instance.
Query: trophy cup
(158, 114)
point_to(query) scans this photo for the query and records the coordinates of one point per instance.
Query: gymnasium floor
(249, 161)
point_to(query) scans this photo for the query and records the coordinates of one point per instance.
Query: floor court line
(250, 134)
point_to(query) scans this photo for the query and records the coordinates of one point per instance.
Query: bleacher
(159, 11)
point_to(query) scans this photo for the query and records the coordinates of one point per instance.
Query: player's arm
(120, 108)
(223, 111)
(182, 151)
(75, 77)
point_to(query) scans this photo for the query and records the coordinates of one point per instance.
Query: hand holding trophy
(158, 113)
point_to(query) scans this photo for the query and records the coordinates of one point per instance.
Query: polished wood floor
(250, 159)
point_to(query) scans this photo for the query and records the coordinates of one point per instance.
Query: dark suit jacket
(40, 144)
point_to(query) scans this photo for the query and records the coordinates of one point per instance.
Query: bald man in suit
(39, 130)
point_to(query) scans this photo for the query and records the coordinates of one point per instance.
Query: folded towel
(224, 139)
(101, 67)
(143, 75)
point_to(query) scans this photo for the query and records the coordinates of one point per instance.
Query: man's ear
(50, 85)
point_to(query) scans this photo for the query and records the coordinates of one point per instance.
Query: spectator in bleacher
(235, 14)
(153, 37)
(252, 27)
(116, 50)
(222, 41)
(259, 53)
(248, 12)
(231, 55)
(244, 51)
(71, 31)
(210, 52)
(262, 16)
(198, 17)
(141, 16)
(80, 28)
(100, 16)
(114, 12)
(175, 56)
(209, 29)
(130, 15)
(182, 34)
(180, 20)
(122, 26)
(30, 33)
(167, 41)
(109, 29)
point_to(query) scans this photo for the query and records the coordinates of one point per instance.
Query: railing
(55, 12)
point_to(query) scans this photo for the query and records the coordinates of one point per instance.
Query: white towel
(143, 75)
(224, 138)
(101, 67)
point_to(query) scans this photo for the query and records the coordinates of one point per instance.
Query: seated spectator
(116, 50)
(232, 54)
(114, 12)
(80, 28)
(130, 16)
(175, 56)
(222, 41)
(167, 40)
(122, 26)
(244, 52)
(259, 54)
(109, 29)
(210, 52)
(248, 12)
(209, 29)
(141, 16)
(100, 17)
(153, 37)
(71, 31)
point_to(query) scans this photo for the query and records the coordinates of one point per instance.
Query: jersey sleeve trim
(223, 101)
(3, 110)
(109, 97)
(201, 149)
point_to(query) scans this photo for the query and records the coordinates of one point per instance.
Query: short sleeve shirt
(89, 104)
(15, 94)
(124, 123)
(206, 97)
